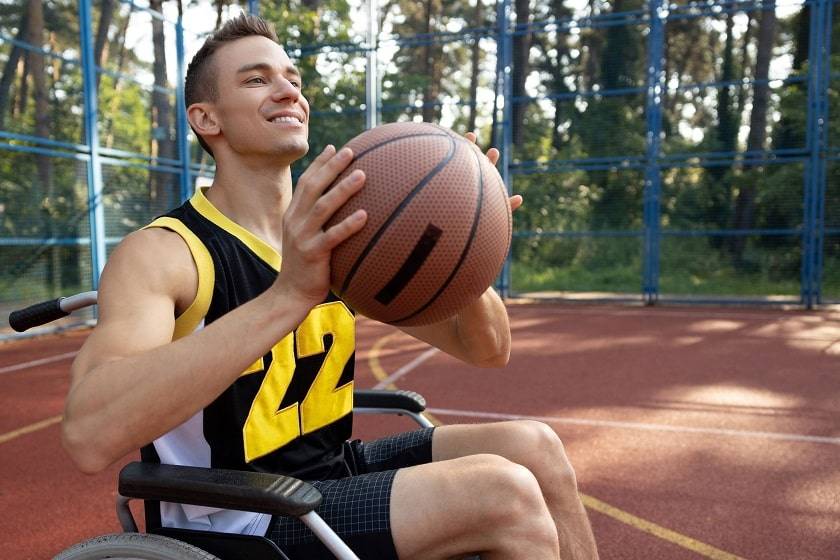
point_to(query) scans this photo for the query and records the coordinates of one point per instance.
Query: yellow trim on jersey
(262, 249)
(189, 320)
(258, 365)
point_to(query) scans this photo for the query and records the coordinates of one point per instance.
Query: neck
(255, 197)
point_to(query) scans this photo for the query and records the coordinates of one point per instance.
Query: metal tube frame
(96, 214)
(813, 156)
(653, 175)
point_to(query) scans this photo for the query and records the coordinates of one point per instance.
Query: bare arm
(479, 334)
(131, 384)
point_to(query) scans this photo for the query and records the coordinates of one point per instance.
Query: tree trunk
(801, 38)
(432, 55)
(161, 189)
(11, 66)
(720, 178)
(745, 63)
(475, 60)
(521, 59)
(100, 46)
(745, 204)
(23, 80)
(42, 129)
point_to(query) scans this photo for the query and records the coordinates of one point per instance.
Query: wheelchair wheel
(139, 546)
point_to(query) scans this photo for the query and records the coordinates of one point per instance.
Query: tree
(521, 64)
(745, 204)
(162, 186)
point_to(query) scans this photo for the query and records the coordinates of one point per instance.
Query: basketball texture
(438, 227)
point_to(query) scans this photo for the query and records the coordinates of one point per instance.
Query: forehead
(250, 51)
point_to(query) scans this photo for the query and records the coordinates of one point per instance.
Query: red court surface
(695, 433)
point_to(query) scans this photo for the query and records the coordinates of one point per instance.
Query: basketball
(438, 228)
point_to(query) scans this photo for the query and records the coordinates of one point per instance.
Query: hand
(307, 247)
(493, 155)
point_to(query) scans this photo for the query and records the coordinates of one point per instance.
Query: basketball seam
(398, 210)
(464, 252)
(389, 140)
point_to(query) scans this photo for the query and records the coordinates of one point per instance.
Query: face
(260, 109)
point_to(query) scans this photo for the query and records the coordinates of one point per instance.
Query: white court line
(770, 313)
(39, 362)
(406, 368)
(638, 426)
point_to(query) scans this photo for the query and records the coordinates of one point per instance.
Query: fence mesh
(683, 150)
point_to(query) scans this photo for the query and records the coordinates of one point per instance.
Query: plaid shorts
(357, 507)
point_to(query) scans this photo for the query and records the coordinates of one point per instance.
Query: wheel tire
(139, 546)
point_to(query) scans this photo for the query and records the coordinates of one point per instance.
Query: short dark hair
(200, 83)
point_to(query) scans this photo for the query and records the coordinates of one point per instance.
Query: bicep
(136, 304)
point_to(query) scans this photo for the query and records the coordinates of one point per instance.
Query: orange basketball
(438, 228)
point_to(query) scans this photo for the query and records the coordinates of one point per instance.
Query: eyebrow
(266, 68)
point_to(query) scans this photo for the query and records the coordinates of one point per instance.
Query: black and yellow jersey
(291, 410)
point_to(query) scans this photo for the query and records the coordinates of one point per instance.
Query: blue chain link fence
(666, 152)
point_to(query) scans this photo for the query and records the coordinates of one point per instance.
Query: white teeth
(285, 119)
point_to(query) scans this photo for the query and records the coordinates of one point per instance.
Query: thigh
(357, 508)
(393, 452)
(531, 444)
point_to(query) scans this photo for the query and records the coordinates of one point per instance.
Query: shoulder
(152, 261)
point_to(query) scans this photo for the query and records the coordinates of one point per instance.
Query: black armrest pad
(374, 398)
(229, 489)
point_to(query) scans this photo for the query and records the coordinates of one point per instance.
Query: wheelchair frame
(210, 487)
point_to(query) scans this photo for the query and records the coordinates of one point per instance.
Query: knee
(511, 503)
(540, 440)
(505, 488)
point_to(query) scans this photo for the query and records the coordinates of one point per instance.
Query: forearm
(121, 405)
(483, 330)
(479, 334)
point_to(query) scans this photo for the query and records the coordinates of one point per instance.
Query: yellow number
(325, 402)
(266, 428)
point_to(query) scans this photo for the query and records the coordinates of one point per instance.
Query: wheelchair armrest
(222, 488)
(403, 400)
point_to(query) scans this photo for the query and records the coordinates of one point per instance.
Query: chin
(294, 150)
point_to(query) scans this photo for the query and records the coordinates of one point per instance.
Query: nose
(285, 91)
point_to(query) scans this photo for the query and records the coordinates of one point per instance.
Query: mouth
(287, 119)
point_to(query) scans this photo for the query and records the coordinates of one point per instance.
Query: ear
(203, 120)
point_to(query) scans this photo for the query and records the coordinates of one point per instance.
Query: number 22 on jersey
(267, 429)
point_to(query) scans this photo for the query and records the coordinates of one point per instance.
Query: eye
(256, 80)
(295, 83)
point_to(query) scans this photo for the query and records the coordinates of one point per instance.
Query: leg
(535, 446)
(476, 504)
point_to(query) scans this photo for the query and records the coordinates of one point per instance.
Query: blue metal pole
(504, 49)
(819, 199)
(372, 71)
(254, 7)
(815, 144)
(96, 215)
(181, 112)
(653, 178)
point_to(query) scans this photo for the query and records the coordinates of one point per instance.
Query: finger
(493, 155)
(320, 160)
(471, 137)
(331, 201)
(344, 229)
(515, 202)
(321, 178)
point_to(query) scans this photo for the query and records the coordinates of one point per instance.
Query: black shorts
(357, 507)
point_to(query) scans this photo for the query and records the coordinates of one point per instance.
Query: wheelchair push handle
(48, 311)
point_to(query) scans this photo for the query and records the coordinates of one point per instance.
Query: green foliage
(581, 226)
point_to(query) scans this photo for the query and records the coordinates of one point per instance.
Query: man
(219, 356)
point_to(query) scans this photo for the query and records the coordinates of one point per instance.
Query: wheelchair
(210, 487)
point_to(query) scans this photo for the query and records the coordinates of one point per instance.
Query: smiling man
(220, 344)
